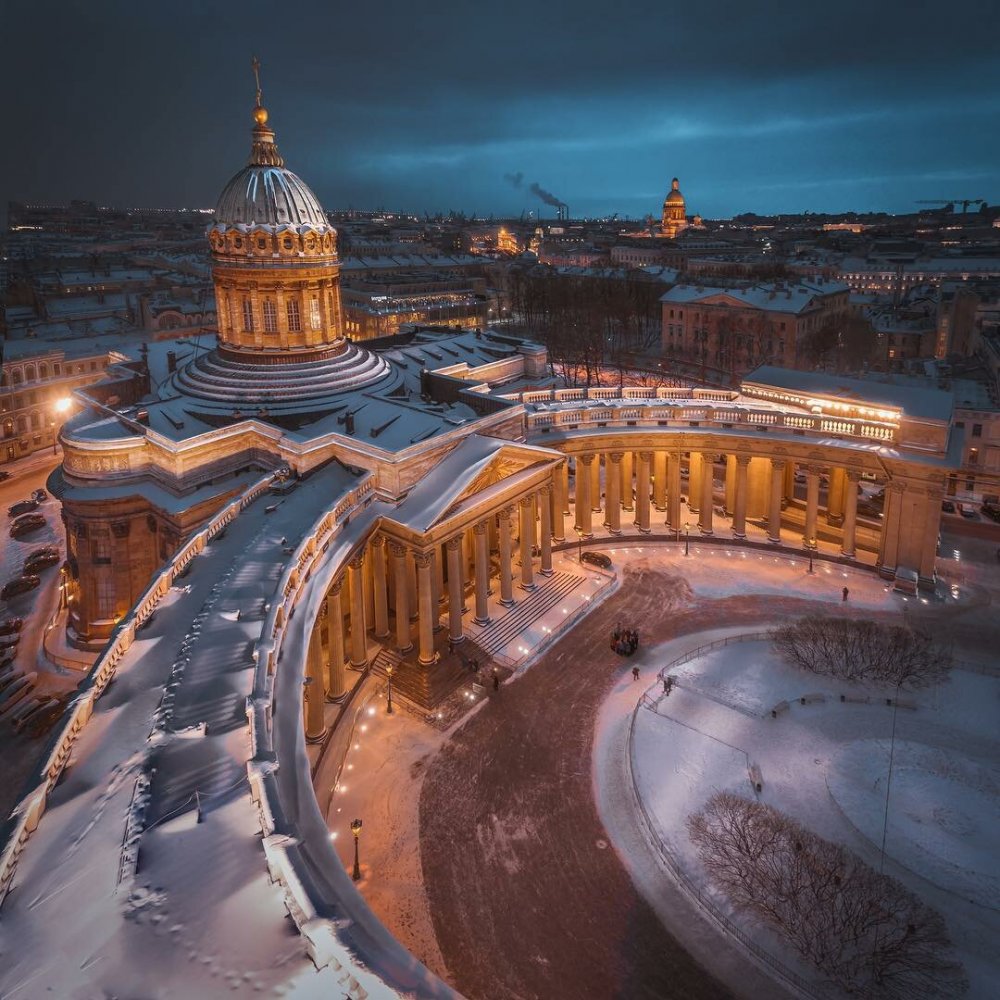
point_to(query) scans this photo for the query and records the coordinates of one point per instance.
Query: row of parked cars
(988, 508)
(27, 520)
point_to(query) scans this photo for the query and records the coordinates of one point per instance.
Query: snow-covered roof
(788, 298)
(913, 400)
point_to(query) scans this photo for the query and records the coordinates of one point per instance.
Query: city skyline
(430, 112)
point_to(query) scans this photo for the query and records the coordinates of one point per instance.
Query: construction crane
(948, 204)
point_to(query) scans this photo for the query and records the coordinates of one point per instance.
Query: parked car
(43, 550)
(19, 585)
(947, 506)
(4, 475)
(22, 507)
(43, 561)
(991, 510)
(8, 643)
(868, 509)
(25, 524)
(9, 625)
(39, 496)
(596, 559)
(967, 510)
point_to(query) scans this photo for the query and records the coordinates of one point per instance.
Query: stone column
(545, 529)
(506, 574)
(931, 530)
(438, 578)
(315, 726)
(368, 577)
(379, 585)
(565, 485)
(695, 468)
(527, 505)
(335, 621)
(595, 484)
(425, 601)
(812, 506)
(660, 480)
(888, 558)
(642, 491)
(411, 583)
(613, 508)
(559, 502)
(706, 512)
(740, 502)
(674, 492)
(455, 596)
(359, 644)
(627, 503)
(777, 494)
(583, 513)
(400, 575)
(482, 574)
(847, 541)
(835, 495)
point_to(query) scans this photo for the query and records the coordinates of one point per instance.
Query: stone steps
(509, 625)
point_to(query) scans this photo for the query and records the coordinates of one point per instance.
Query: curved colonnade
(370, 569)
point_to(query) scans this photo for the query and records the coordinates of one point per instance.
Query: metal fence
(789, 976)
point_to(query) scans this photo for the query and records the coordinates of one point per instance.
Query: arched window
(43, 370)
(270, 317)
(314, 319)
(29, 373)
(247, 315)
(16, 377)
(36, 421)
(294, 320)
(22, 424)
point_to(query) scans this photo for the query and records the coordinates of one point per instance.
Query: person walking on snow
(846, 592)
(635, 673)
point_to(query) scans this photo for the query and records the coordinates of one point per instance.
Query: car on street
(19, 585)
(43, 550)
(39, 496)
(41, 561)
(868, 509)
(25, 524)
(9, 625)
(22, 507)
(947, 506)
(4, 475)
(8, 643)
(967, 510)
(596, 559)
(991, 510)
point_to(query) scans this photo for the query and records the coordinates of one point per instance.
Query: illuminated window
(248, 315)
(973, 456)
(294, 320)
(100, 551)
(270, 317)
(314, 320)
(977, 430)
(105, 596)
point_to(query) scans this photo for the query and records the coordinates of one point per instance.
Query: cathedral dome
(265, 194)
(261, 195)
(675, 197)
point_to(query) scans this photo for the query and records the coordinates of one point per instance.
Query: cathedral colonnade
(404, 592)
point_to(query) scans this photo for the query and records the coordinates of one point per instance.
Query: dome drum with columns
(674, 219)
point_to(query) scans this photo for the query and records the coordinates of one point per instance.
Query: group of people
(624, 641)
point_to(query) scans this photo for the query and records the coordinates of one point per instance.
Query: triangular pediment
(726, 300)
(505, 467)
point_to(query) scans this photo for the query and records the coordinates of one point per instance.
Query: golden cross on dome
(255, 63)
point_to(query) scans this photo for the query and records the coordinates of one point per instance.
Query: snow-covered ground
(826, 764)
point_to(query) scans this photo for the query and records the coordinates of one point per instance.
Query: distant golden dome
(260, 115)
(675, 197)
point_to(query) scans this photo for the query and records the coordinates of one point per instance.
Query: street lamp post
(811, 547)
(687, 538)
(579, 539)
(356, 830)
(388, 670)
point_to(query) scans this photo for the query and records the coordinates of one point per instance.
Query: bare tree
(863, 650)
(863, 930)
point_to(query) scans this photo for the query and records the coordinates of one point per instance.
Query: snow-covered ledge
(332, 916)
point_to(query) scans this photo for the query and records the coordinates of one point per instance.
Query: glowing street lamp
(63, 404)
(389, 669)
(356, 830)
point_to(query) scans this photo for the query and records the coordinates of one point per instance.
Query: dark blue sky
(764, 107)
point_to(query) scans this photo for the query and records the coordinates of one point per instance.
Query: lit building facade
(674, 218)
